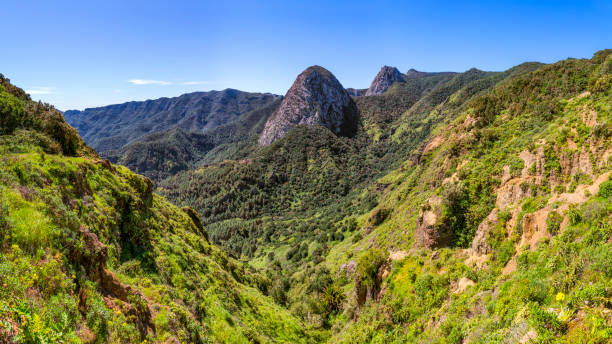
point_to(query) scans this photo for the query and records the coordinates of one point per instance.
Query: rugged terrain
(468, 207)
(114, 126)
(165, 153)
(315, 98)
(384, 79)
(88, 253)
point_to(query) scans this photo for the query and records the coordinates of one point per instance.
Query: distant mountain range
(114, 126)
(161, 137)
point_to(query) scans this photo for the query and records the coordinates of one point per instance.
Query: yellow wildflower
(560, 297)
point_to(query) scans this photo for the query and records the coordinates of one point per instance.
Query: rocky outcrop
(93, 256)
(428, 231)
(316, 97)
(383, 80)
(462, 285)
(373, 291)
(480, 244)
(347, 269)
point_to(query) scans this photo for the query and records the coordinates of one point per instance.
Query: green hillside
(90, 254)
(500, 231)
(469, 207)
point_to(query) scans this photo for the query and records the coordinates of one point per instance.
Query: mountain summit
(316, 97)
(385, 78)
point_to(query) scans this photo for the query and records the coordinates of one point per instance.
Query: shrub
(31, 229)
(320, 281)
(279, 290)
(559, 188)
(605, 189)
(455, 202)
(367, 267)
(553, 222)
(536, 290)
(574, 215)
(546, 324)
(504, 216)
(332, 298)
(11, 112)
(552, 164)
(486, 109)
(4, 223)
(602, 130)
(594, 210)
(505, 252)
(602, 259)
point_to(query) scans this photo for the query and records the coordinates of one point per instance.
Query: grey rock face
(385, 78)
(316, 97)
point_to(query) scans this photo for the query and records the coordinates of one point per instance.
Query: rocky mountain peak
(385, 78)
(316, 97)
(414, 74)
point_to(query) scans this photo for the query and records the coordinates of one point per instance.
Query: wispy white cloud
(196, 82)
(40, 90)
(149, 82)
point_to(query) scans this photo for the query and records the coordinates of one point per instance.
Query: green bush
(332, 298)
(605, 189)
(545, 323)
(574, 215)
(505, 252)
(553, 222)
(11, 112)
(602, 259)
(455, 202)
(368, 264)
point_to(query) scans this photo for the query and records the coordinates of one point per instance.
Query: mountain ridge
(471, 207)
(113, 126)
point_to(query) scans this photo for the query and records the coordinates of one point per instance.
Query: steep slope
(112, 127)
(88, 253)
(473, 207)
(498, 229)
(291, 208)
(383, 80)
(316, 97)
(469, 207)
(160, 155)
(310, 168)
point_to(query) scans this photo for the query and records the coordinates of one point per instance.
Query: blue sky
(77, 54)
